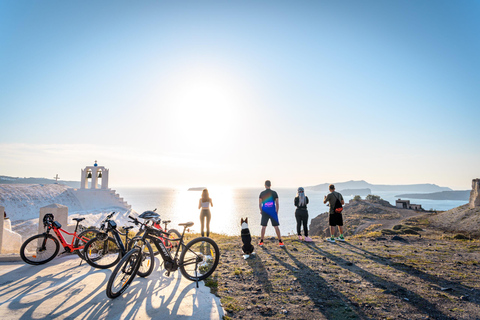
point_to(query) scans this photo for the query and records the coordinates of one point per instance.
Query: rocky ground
(376, 276)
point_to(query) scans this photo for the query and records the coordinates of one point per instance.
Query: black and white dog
(246, 239)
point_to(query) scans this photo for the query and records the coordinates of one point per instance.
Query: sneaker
(331, 239)
(281, 245)
(260, 244)
(341, 238)
(308, 239)
(300, 238)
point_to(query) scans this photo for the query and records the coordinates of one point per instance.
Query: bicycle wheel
(124, 273)
(199, 259)
(39, 249)
(173, 234)
(148, 257)
(102, 252)
(82, 239)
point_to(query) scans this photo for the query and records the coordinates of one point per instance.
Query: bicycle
(197, 261)
(104, 252)
(173, 233)
(42, 248)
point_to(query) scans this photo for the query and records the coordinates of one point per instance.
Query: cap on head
(300, 189)
(331, 187)
(268, 183)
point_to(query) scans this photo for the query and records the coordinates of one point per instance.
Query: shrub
(357, 198)
(372, 197)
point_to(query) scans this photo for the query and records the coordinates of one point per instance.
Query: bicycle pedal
(167, 273)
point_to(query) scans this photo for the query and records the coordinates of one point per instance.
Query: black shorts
(266, 217)
(335, 219)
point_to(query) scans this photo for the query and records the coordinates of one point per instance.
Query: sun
(202, 106)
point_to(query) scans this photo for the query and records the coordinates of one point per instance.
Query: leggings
(205, 213)
(302, 218)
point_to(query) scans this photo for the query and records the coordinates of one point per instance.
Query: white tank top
(205, 205)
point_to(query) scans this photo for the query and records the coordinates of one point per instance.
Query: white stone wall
(10, 242)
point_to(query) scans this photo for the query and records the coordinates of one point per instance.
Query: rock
(465, 297)
(446, 289)
(397, 238)
(475, 194)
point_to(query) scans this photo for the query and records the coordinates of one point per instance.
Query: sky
(231, 93)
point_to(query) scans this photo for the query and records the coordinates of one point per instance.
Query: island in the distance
(444, 195)
(196, 189)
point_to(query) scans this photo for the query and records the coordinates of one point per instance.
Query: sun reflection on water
(186, 208)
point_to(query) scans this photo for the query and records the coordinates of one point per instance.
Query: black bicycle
(196, 260)
(104, 251)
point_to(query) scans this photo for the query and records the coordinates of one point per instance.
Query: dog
(247, 247)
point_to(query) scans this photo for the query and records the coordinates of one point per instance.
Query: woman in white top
(204, 203)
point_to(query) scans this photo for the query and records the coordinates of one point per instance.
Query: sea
(232, 204)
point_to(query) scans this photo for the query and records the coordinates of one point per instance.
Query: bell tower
(94, 173)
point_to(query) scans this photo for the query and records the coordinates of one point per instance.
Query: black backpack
(338, 205)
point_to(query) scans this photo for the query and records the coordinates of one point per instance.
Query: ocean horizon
(231, 204)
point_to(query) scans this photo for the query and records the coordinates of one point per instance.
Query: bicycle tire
(123, 274)
(31, 253)
(87, 234)
(199, 259)
(148, 257)
(102, 253)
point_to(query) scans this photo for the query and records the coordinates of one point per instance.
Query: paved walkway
(61, 289)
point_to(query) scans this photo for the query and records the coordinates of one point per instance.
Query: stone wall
(475, 194)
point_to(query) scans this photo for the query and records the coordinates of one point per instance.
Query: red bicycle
(42, 248)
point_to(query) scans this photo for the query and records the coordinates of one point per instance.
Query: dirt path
(365, 278)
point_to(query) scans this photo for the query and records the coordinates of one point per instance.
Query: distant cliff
(381, 187)
(17, 180)
(356, 192)
(444, 195)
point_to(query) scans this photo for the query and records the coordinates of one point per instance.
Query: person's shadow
(415, 300)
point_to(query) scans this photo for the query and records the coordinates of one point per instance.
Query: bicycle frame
(66, 246)
(158, 239)
(159, 228)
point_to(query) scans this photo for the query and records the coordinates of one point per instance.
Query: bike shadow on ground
(50, 290)
(415, 300)
(154, 296)
(257, 265)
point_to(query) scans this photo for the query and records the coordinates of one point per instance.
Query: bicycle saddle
(149, 215)
(186, 224)
(78, 219)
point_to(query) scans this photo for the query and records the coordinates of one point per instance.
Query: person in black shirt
(301, 214)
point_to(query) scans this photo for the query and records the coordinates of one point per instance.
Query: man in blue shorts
(268, 204)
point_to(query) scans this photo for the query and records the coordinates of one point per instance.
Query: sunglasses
(300, 191)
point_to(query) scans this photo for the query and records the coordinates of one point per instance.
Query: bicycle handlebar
(135, 220)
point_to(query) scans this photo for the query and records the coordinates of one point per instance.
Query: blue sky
(232, 93)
